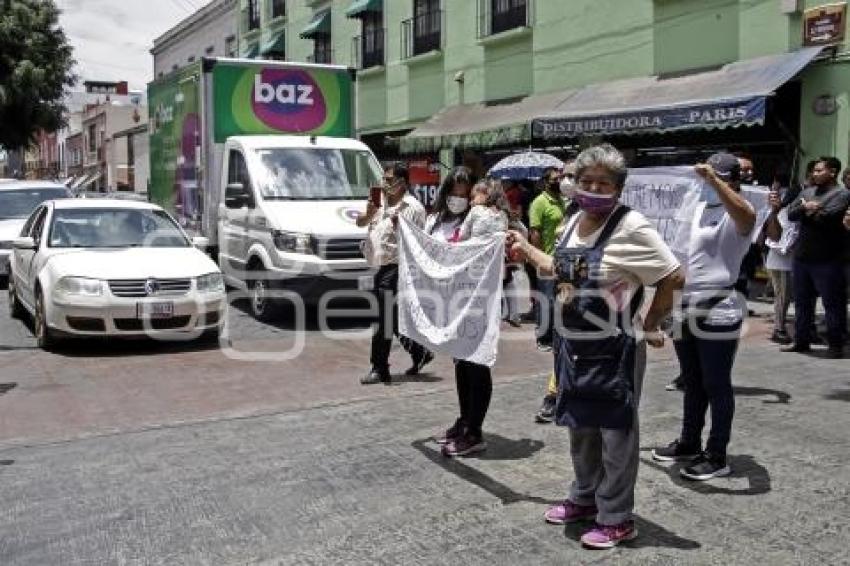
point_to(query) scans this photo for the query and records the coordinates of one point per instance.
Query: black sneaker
(780, 337)
(677, 384)
(546, 413)
(676, 452)
(417, 366)
(375, 376)
(706, 467)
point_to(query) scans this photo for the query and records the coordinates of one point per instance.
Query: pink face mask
(595, 204)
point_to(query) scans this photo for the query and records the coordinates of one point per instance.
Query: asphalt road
(148, 453)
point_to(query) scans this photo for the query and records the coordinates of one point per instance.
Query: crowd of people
(590, 258)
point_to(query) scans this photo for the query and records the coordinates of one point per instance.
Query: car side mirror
(201, 242)
(237, 196)
(24, 243)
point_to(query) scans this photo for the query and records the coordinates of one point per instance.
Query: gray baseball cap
(726, 166)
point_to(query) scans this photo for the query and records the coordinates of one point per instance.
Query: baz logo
(284, 93)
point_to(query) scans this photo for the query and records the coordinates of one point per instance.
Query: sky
(112, 38)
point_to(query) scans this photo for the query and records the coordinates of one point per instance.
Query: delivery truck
(259, 157)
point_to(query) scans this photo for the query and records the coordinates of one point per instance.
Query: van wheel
(44, 337)
(16, 309)
(263, 306)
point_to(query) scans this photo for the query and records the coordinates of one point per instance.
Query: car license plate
(366, 283)
(154, 310)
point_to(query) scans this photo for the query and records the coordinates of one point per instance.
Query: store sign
(714, 115)
(424, 181)
(824, 25)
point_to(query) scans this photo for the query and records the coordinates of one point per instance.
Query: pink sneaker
(609, 536)
(569, 512)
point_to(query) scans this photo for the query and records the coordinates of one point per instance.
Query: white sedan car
(112, 268)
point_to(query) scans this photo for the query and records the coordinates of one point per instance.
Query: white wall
(140, 161)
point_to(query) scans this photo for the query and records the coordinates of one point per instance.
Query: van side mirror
(236, 196)
(201, 242)
(24, 243)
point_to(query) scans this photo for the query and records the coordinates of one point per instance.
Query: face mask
(568, 188)
(593, 203)
(457, 205)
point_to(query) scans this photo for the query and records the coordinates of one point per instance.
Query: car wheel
(263, 306)
(16, 309)
(45, 338)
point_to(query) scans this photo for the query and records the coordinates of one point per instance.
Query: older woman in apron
(605, 257)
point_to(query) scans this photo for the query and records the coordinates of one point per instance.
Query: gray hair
(606, 156)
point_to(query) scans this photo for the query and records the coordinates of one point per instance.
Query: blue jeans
(706, 364)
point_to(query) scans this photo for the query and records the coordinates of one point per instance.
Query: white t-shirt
(780, 255)
(634, 256)
(446, 231)
(714, 262)
(383, 238)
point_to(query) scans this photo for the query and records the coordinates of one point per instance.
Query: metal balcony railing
(367, 50)
(497, 16)
(422, 33)
(251, 16)
(321, 56)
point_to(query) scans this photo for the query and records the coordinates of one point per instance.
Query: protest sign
(449, 295)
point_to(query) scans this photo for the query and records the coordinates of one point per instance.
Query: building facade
(102, 155)
(129, 153)
(420, 58)
(209, 32)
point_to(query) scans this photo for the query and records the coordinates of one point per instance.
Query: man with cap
(712, 313)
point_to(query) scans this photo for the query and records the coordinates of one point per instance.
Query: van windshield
(314, 173)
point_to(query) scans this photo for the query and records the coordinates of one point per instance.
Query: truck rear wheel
(264, 307)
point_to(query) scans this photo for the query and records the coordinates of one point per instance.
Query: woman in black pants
(474, 382)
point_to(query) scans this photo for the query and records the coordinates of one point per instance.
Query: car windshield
(114, 228)
(19, 203)
(317, 174)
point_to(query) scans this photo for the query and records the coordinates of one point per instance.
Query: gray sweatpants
(605, 462)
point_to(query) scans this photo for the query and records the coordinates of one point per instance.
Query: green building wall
(570, 43)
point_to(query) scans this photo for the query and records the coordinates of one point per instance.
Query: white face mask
(568, 188)
(457, 205)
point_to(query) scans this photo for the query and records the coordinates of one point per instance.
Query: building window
(209, 50)
(322, 49)
(368, 48)
(496, 16)
(252, 15)
(230, 47)
(92, 139)
(423, 32)
(191, 59)
(174, 67)
(278, 8)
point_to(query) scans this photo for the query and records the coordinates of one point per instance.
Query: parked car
(17, 201)
(103, 267)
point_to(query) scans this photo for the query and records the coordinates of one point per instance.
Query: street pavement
(148, 453)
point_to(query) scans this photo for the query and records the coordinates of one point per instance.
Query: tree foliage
(35, 68)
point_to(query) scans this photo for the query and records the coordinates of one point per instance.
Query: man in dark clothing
(818, 259)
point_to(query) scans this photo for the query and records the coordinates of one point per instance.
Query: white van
(286, 217)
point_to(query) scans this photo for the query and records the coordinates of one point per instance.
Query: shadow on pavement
(6, 387)
(104, 348)
(425, 377)
(286, 319)
(650, 535)
(743, 466)
(781, 396)
(499, 448)
(838, 395)
(6, 462)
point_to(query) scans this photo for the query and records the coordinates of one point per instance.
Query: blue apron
(594, 346)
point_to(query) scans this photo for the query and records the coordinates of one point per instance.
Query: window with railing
(497, 16)
(368, 48)
(277, 8)
(251, 15)
(322, 50)
(424, 31)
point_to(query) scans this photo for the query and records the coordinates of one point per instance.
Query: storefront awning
(275, 45)
(319, 25)
(734, 95)
(360, 7)
(250, 51)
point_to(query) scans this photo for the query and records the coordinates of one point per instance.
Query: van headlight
(79, 286)
(210, 283)
(295, 242)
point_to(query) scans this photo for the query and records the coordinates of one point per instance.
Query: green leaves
(35, 68)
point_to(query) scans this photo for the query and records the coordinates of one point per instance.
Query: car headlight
(81, 286)
(293, 242)
(210, 283)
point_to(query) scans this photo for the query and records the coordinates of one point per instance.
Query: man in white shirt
(382, 252)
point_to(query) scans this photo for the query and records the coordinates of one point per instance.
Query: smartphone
(375, 195)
